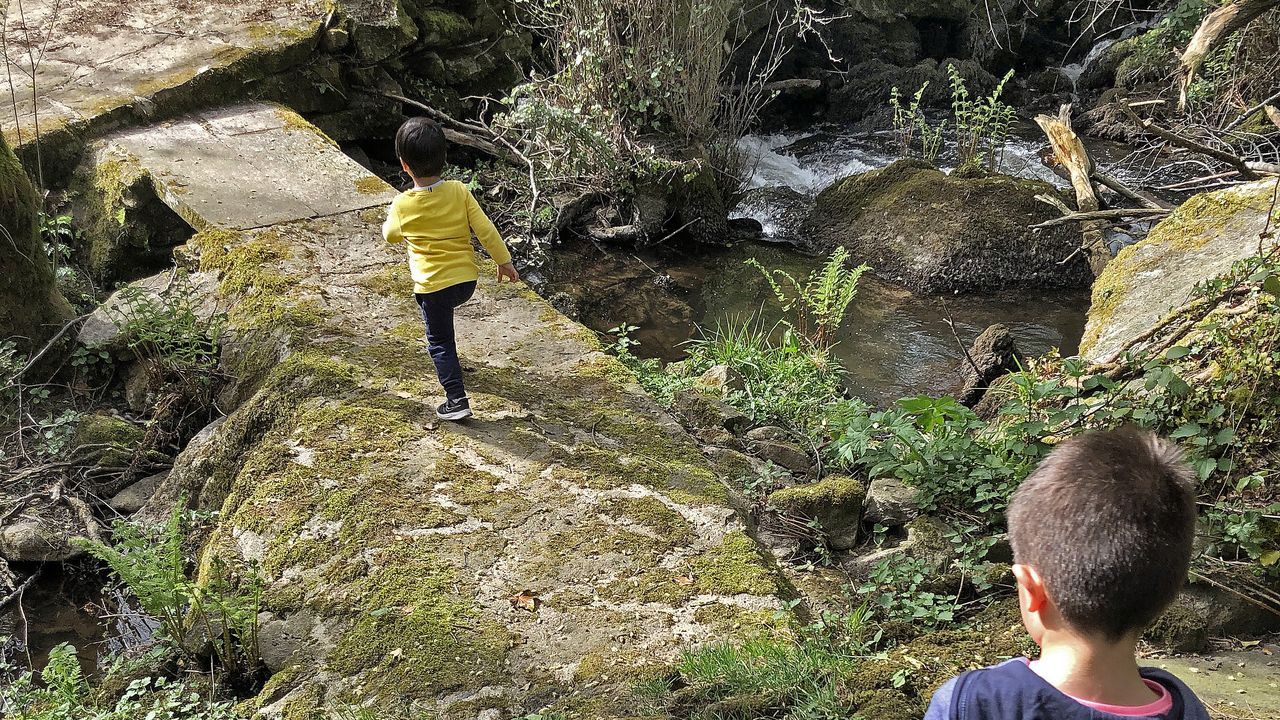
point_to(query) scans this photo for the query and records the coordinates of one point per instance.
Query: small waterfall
(1075, 70)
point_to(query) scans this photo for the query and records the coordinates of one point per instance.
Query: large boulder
(1200, 240)
(935, 232)
(31, 308)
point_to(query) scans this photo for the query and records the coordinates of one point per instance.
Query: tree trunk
(1069, 152)
(1217, 26)
(31, 308)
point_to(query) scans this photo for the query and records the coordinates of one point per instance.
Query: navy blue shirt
(1013, 691)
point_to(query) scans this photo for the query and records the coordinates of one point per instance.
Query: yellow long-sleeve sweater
(436, 223)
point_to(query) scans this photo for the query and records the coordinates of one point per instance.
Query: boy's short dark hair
(1107, 519)
(421, 145)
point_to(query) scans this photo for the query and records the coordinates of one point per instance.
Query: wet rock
(937, 233)
(717, 436)
(201, 462)
(781, 212)
(929, 540)
(835, 502)
(890, 503)
(868, 85)
(734, 466)
(783, 454)
(1203, 238)
(743, 230)
(994, 353)
(702, 410)
(131, 499)
(860, 566)
(721, 379)
(999, 392)
(1108, 120)
(115, 438)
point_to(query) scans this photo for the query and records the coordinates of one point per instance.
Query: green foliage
(217, 609)
(982, 125)
(1216, 391)
(61, 692)
(168, 331)
(784, 379)
(818, 305)
(797, 677)
(957, 462)
(910, 121)
(1154, 52)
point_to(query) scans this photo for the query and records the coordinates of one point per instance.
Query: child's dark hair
(421, 145)
(1107, 520)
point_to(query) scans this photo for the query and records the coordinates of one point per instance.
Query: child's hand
(508, 271)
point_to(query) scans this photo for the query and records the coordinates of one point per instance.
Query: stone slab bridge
(555, 551)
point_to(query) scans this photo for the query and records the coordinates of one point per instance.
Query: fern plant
(910, 121)
(214, 610)
(817, 305)
(982, 125)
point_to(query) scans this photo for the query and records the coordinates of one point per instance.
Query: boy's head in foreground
(422, 148)
(1101, 535)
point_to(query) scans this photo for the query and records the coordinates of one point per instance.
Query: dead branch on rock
(1070, 152)
(1116, 214)
(1244, 116)
(1187, 143)
(1216, 26)
(1124, 191)
(476, 137)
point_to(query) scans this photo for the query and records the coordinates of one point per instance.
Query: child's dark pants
(437, 314)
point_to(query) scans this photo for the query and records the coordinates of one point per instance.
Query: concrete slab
(250, 166)
(71, 61)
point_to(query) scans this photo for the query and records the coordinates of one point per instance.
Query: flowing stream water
(894, 343)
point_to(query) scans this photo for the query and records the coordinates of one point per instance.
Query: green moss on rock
(933, 232)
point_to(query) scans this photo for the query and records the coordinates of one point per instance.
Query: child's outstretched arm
(391, 226)
(491, 239)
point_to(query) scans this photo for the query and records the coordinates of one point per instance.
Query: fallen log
(1124, 191)
(1216, 26)
(1070, 152)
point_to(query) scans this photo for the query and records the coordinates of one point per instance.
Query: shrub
(785, 381)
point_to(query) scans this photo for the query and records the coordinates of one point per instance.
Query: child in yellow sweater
(435, 220)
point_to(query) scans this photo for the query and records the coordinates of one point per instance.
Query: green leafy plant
(61, 691)
(819, 304)
(982, 125)
(216, 609)
(910, 121)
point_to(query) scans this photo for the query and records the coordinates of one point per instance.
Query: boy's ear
(1032, 587)
(405, 166)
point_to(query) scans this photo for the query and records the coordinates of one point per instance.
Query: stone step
(249, 166)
